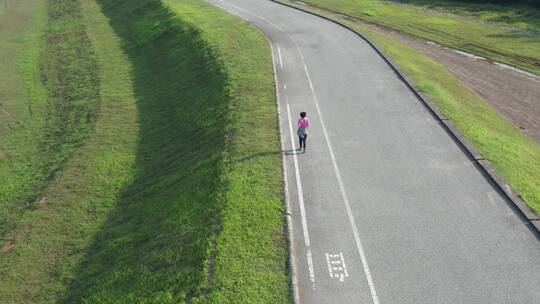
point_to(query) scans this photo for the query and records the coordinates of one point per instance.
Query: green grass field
(23, 112)
(511, 38)
(516, 16)
(153, 185)
(512, 153)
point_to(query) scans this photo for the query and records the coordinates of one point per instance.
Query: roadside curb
(483, 164)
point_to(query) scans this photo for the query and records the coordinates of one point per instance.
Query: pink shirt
(303, 123)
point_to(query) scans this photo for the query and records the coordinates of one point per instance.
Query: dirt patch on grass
(7, 248)
(9, 244)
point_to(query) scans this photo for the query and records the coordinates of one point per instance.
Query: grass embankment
(513, 154)
(518, 16)
(171, 196)
(495, 41)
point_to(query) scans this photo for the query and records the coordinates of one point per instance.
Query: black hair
(303, 114)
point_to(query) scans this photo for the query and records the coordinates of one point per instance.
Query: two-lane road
(386, 207)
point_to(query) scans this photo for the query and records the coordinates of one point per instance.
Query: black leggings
(303, 141)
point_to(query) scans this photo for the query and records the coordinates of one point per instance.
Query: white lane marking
(285, 86)
(344, 195)
(310, 269)
(298, 181)
(280, 60)
(292, 256)
(307, 73)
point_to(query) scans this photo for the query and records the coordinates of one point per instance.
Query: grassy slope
(250, 260)
(518, 16)
(514, 155)
(495, 42)
(172, 175)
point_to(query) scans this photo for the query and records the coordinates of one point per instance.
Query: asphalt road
(386, 208)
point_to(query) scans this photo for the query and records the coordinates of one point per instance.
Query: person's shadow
(267, 153)
(293, 152)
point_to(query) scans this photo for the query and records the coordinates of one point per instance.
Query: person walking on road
(303, 125)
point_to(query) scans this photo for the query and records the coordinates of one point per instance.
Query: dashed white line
(280, 59)
(311, 269)
(344, 195)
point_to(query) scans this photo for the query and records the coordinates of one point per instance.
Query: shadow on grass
(154, 247)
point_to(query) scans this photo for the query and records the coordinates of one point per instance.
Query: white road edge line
(310, 269)
(288, 208)
(344, 195)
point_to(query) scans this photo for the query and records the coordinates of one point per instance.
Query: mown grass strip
(510, 151)
(56, 119)
(69, 72)
(514, 14)
(175, 178)
(23, 106)
(494, 41)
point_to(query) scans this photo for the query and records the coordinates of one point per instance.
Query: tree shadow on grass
(154, 246)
